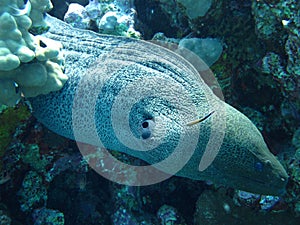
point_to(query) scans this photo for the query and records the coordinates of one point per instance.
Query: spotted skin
(243, 160)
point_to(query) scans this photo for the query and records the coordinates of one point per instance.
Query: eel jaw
(273, 182)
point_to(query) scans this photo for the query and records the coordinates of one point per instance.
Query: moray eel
(144, 100)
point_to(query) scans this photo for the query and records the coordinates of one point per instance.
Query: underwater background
(253, 49)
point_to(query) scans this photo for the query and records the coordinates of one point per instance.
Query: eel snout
(250, 166)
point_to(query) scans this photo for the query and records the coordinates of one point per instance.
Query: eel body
(139, 98)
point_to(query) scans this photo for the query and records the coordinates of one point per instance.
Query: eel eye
(147, 127)
(259, 166)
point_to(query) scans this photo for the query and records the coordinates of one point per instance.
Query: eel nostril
(145, 124)
(147, 128)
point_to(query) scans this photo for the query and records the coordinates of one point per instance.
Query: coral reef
(48, 216)
(220, 208)
(10, 119)
(195, 9)
(293, 163)
(29, 65)
(4, 217)
(33, 193)
(33, 158)
(38, 9)
(107, 17)
(272, 17)
(67, 162)
(122, 216)
(168, 215)
(286, 37)
(208, 50)
(77, 16)
(261, 202)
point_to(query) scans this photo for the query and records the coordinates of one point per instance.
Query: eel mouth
(265, 186)
(277, 187)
